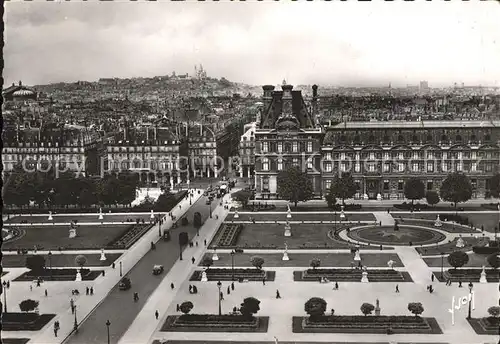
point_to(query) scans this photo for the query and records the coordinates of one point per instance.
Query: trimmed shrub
(28, 305)
(367, 308)
(416, 308)
(315, 307)
(458, 259)
(186, 307)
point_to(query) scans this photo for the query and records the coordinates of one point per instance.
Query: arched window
(429, 138)
(444, 138)
(401, 138)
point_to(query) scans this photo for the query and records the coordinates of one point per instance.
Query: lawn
(447, 227)
(260, 235)
(261, 216)
(59, 260)
(53, 237)
(475, 261)
(303, 259)
(488, 220)
(386, 235)
(80, 218)
(452, 246)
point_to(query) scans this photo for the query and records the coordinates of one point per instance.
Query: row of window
(413, 155)
(414, 167)
(415, 139)
(287, 147)
(281, 164)
(42, 149)
(144, 149)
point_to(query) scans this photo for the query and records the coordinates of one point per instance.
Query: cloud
(327, 42)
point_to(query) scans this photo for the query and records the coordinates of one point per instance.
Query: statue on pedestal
(72, 231)
(152, 215)
(377, 307)
(342, 214)
(289, 212)
(482, 279)
(285, 254)
(357, 256)
(50, 216)
(103, 256)
(101, 216)
(460, 242)
(390, 264)
(236, 215)
(214, 255)
(78, 277)
(204, 277)
(288, 228)
(364, 275)
(438, 222)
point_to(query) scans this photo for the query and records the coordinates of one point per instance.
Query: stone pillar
(240, 171)
(171, 182)
(248, 171)
(216, 174)
(178, 178)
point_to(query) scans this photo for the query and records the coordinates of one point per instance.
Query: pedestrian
(336, 286)
(192, 260)
(196, 242)
(178, 308)
(221, 295)
(205, 242)
(157, 314)
(91, 290)
(38, 282)
(87, 290)
(432, 277)
(228, 290)
(195, 290)
(278, 296)
(103, 273)
(31, 288)
(333, 311)
(190, 288)
(460, 284)
(171, 286)
(8, 284)
(397, 288)
(46, 293)
(264, 280)
(113, 265)
(232, 285)
(55, 330)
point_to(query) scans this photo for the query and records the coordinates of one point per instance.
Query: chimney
(147, 133)
(20, 83)
(287, 99)
(267, 96)
(315, 100)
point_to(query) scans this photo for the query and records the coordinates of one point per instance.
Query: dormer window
(401, 138)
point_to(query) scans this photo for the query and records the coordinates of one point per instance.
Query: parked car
(158, 269)
(125, 284)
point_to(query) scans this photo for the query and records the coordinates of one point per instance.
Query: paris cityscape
(252, 172)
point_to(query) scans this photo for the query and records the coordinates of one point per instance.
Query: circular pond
(386, 235)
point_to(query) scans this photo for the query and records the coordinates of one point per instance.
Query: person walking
(193, 260)
(157, 314)
(171, 286)
(264, 280)
(87, 290)
(196, 243)
(460, 284)
(205, 242)
(221, 296)
(432, 278)
(8, 284)
(91, 290)
(178, 308)
(397, 288)
(232, 285)
(31, 288)
(278, 296)
(336, 286)
(56, 329)
(228, 290)
(46, 293)
(190, 288)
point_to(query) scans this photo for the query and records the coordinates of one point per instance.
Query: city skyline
(338, 44)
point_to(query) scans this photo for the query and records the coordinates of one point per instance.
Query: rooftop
(416, 124)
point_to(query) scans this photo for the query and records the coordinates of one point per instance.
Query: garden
(236, 274)
(242, 319)
(28, 319)
(487, 325)
(351, 275)
(88, 237)
(482, 220)
(319, 322)
(60, 260)
(306, 216)
(451, 246)
(459, 259)
(271, 236)
(397, 235)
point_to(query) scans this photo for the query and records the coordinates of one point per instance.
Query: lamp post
(50, 263)
(219, 285)
(75, 324)
(4, 296)
(107, 325)
(442, 264)
(121, 270)
(210, 209)
(469, 314)
(232, 265)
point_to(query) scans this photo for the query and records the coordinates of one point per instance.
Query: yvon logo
(459, 302)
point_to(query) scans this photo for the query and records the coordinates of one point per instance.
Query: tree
(249, 307)
(367, 308)
(416, 308)
(456, 188)
(414, 190)
(494, 186)
(315, 263)
(494, 311)
(28, 305)
(87, 198)
(80, 260)
(315, 307)
(343, 187)
(432, 197)
(35, 263)
(186, 307)
(331, 197)
(165, 202)
(494, 260)
(207, 262)
(257, 262)
(458, 259)
(242, 196)
(295, 185)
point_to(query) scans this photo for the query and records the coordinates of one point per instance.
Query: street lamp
(219, 285)
(232, 265)
(4, 296)
(107, 325)
(121, 270)
(50, 264)
(442, 264)
(75, 324)
(210, 205)
(469, 315)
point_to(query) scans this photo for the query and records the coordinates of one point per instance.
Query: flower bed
(130, 236)
(228, 234)
(486, 326)
(227, 274)
(467, 275)
(215, 323)
(366, 324)
(25, 321)
(352, 275)
(59, 275)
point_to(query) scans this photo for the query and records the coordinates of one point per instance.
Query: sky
(329, 43)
